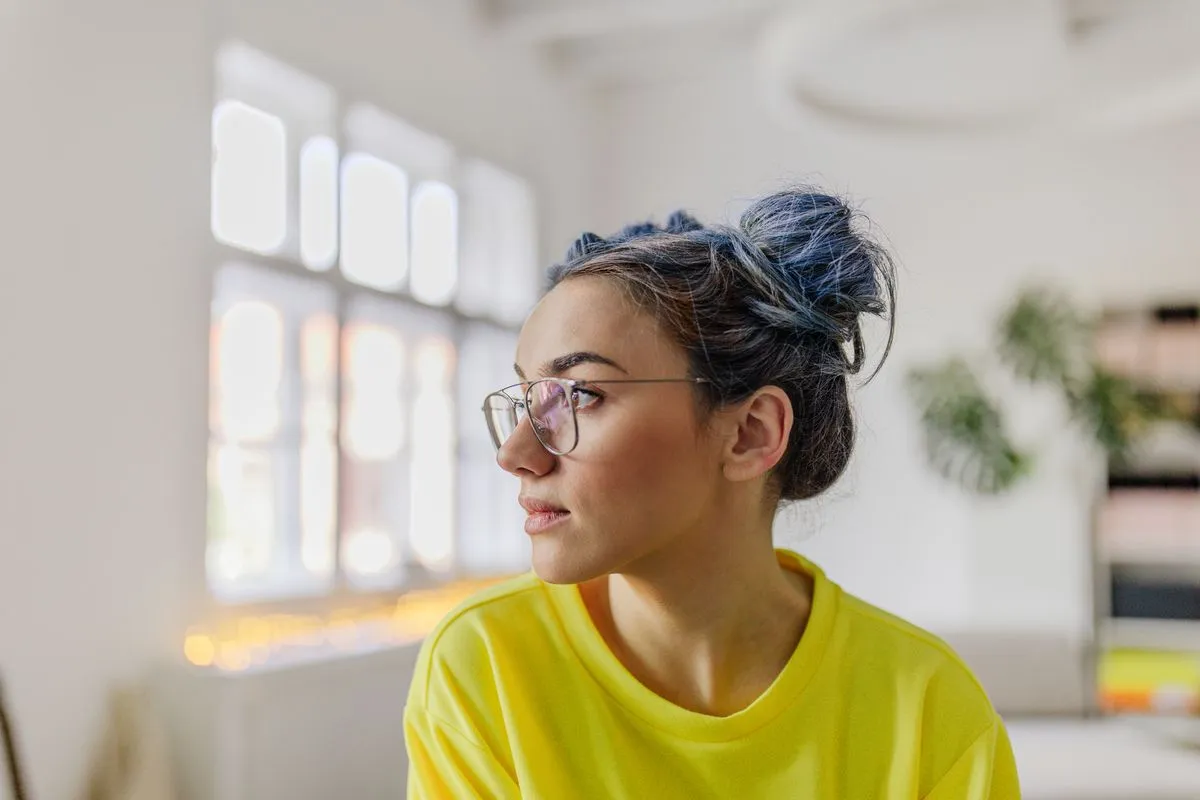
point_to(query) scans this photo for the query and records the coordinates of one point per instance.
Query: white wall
(104, 290)
(102, 352)
(1112, 218)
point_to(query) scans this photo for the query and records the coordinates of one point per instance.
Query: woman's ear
(759, 428)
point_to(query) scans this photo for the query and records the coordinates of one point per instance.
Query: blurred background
(263, 259)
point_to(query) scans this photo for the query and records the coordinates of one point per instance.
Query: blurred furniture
(314, 730)
(1146, 542)
(133, 761)
(11, 759)
(1028, 673)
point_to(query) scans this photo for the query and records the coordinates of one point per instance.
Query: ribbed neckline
(664, 715)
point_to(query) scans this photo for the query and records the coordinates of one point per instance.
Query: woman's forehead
(591, 314)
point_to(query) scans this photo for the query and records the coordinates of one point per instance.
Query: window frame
(456, 324)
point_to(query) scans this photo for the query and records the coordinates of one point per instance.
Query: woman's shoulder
(917, 660)
(488, 613)
(889, 630)
(870, 636)
(490, 627)
(908, 670)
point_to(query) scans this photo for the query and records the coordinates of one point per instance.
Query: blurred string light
(237, 644)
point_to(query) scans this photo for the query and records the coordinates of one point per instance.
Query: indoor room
(268, 267)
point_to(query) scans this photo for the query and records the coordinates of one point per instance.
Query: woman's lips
(542, 515)
(541, 521)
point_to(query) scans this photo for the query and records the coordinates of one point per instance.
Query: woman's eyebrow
(561, 364)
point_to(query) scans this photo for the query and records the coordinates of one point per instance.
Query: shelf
(1154, 314)
(1182, 481)
(1151, 634)
(1142, 555)
(1176, 313)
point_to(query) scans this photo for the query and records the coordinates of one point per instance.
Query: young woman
(674, 386)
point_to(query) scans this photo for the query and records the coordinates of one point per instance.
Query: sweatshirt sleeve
(445, 763)
(985, 771)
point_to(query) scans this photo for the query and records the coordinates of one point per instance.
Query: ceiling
(935, 65)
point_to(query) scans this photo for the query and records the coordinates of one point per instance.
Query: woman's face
(645, 471)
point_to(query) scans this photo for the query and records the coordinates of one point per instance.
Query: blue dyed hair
(777, 300)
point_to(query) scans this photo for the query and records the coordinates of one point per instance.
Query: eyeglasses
(551, 405)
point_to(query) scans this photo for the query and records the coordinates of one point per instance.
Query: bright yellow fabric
(517, 695)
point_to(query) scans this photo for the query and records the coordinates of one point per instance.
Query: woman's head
(765, 315)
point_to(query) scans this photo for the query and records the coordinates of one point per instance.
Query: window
(249, 185)
(318, 203)
(374, 222)
(434, 243)
(272, 462)
(367, 284)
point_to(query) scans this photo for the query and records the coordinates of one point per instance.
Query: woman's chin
(557, 562)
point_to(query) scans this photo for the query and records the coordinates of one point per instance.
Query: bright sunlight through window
(371, 304)
(372, 412)
(433, 455)
(374, 222)
(319, 203)
(249, 178)
(434, 243)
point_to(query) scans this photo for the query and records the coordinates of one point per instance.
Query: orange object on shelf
(1149, 682)
(1125, 701)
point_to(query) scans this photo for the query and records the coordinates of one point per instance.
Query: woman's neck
(708, 628)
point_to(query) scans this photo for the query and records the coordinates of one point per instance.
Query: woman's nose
(522, 453)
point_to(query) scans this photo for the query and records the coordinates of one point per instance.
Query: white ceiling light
(979, 65)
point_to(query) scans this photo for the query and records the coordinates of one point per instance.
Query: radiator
(328, 729)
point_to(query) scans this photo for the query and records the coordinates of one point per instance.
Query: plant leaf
(1117, 412)
(963, 429)
(1042, 338)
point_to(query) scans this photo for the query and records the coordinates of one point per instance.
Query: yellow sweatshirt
(516, 694)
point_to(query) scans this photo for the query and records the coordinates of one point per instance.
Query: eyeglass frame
(574, 385)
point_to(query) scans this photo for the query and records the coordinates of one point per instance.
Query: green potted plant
(1042, 340)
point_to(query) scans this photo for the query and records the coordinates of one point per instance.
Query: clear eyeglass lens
(550, 412)
(502, 418)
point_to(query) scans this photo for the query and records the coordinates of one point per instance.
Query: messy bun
(777, 300)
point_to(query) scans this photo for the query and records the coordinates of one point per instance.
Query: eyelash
(590, 393)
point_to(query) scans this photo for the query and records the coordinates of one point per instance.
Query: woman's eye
(585, 398)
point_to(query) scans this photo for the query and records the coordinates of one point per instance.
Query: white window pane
(374, 438)
(373, 426)
(243, 516)
(319, 203)
(273, 451)
(318, 504)
(374, 222)
(318, 445)
(318, 367)
(247, 371)
(434, 243)
(431, 527)
(369, 553)
(249, 178)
